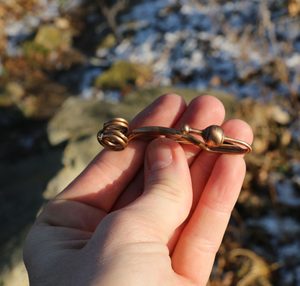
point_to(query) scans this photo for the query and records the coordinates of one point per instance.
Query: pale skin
(152, 214)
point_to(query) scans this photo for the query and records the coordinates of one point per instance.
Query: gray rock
(16, 277)
(279, 115)
(79, 117)
(78, 122)
(76, 157)
(76, 118)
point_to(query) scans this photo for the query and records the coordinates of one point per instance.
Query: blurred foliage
(294, 7)
(124, 74)
(108, 42)
(51, 38)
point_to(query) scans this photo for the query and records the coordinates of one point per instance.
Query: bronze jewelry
(115, 135)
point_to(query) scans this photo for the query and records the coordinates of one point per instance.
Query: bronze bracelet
(115, 135)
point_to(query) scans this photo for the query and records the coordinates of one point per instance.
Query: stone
(81, 152)
(62, 23)
(260, 145)
(76, 118)
(65, 176)
(279, 115)
(286, 137)
(77, 155)
(15, 91)
(15, 277)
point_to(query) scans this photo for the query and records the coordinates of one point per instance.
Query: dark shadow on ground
(21, 186)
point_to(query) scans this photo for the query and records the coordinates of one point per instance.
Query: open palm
(152, 214)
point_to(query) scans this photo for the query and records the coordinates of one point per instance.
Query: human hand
(152, 214)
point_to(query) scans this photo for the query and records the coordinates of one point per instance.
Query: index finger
(101, 183)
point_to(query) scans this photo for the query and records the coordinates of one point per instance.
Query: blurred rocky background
(67, 66)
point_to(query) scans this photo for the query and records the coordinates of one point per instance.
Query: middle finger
(201, 112)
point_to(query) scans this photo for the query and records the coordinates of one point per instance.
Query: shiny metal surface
(115, 135)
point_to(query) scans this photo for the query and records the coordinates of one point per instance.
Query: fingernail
(159, 155)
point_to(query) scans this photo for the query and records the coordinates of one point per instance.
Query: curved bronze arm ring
(115, 135)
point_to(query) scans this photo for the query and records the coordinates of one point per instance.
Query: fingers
(205, 161)
(109, 173)
(200, 113)
(165, 202)
(202, 236)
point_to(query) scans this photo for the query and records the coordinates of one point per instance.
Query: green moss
(123, 74)
(53, 38)
(31, 49)
(5, 100)
(108, 42)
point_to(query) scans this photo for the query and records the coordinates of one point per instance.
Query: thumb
(167, 196)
